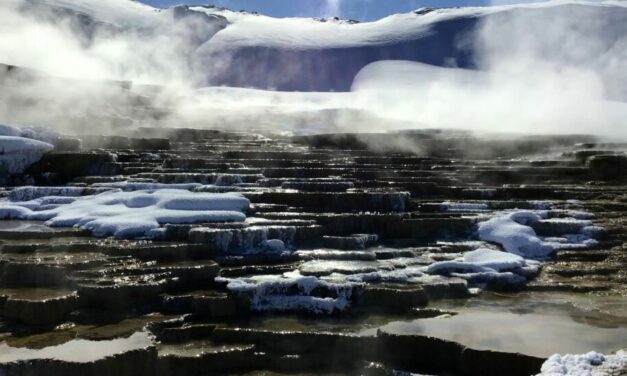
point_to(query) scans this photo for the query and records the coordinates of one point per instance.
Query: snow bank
(35, 133)
(136, 214)
(486, 265)
(9, 130)
(17, 153)
(479, 260)
(522, 245)
(512, 230)
(293, 292)
(589, 364)
(42, 134)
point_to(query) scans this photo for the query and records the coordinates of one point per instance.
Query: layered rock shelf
(320, 231)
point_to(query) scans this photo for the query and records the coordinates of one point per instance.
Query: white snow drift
(522, 247)
(512, 231)
(486, 265)
(135, 214)
(590, 364)
(21, 147)
(17, 153)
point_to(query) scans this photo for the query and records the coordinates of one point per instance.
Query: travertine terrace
(193, 300)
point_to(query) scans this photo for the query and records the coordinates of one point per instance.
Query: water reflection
(533, 324)
(78, 350)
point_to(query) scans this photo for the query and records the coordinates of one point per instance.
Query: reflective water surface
(77, 350)
(537, 324)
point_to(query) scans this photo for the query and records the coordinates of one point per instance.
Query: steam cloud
(559, 71)
(563, 70)
(332, 8)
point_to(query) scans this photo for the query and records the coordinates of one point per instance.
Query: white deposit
(137, 214)
(513, 232)
(21, 147)
(589, 364)
(17, 153)
(487, 265)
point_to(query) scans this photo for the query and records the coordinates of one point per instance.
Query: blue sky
(363, 10)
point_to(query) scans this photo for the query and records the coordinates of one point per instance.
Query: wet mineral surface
(332, 270)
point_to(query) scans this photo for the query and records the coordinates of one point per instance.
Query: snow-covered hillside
(301, 54)
(549, 67)
(308, 55)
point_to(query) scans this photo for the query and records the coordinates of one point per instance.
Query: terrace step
(330, 221)
(392, 298)
(66, 166)
(223, 240)
(37, 306)
(337, 201)
(356, 241)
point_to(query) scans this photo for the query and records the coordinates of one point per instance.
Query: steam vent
(210, 252)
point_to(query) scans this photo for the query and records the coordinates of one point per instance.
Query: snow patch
(590, 364)
(486, 265)
(136, 214)
(512, 231)
(17, 153)
(35, 133)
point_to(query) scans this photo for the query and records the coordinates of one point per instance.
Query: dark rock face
(150, 143)
(66, 166)
(483, 362)
(393, 298)
(38, 312)
(357, 241)
(334, 228)
(608, 166)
